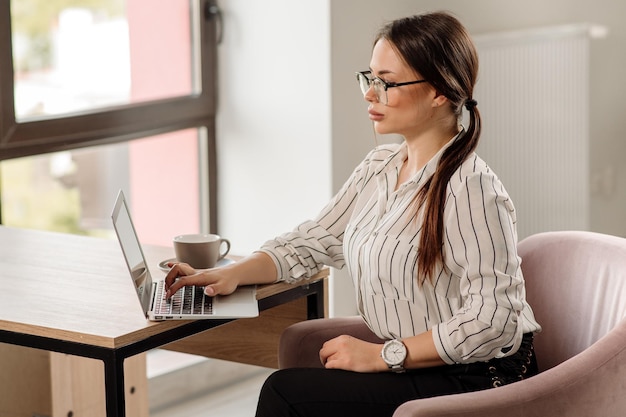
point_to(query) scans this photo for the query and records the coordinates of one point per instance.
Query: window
(122, 91)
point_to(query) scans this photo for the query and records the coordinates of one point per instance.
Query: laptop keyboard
(187, 300)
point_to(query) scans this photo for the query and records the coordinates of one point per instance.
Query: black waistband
(520, 365)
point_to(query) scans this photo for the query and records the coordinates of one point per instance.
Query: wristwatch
(394, 354)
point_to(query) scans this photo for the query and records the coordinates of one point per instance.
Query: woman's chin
(380, 128)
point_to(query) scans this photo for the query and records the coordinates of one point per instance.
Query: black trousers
(326, 392)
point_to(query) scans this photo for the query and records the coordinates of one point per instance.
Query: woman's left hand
(352, 354)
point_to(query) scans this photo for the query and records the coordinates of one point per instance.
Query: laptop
(188, 303)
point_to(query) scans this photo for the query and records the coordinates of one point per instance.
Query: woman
(427, 232)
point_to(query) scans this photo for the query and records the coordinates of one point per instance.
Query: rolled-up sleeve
(480, 250)
(300, 254)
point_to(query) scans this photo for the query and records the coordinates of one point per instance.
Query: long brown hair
(437, 46)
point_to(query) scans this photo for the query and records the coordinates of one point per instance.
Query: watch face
(394, 352)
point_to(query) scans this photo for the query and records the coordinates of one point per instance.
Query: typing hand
(214, 280)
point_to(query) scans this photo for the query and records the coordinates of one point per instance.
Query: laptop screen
(131, 248)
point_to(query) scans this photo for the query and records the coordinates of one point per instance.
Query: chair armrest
(591, 383)
(300, 343)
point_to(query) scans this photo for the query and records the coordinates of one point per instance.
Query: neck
(421, 148)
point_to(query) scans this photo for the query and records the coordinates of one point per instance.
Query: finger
(173, 289)
(177, 270)
(323, 358)
(184, 281)
(334, 362)
(219, 287)
(210, 290)
(171, 276)
(325, 353)
(331, 364)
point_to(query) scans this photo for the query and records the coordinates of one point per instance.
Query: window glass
(74, 191)
(77, 55)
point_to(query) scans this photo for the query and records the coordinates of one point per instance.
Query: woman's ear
(439, 100)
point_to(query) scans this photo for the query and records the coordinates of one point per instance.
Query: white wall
(273, 125)
(292, 124)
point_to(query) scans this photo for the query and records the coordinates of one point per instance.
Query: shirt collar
(396, 159)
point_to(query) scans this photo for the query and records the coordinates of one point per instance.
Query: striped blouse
(475, 304)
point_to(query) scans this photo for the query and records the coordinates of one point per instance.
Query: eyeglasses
(380, 86)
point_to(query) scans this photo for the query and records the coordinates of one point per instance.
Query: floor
(190, 386)
(237, 400)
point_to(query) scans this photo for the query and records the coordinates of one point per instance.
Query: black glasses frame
(367, 75)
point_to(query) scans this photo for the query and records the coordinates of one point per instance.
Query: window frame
(122, 123)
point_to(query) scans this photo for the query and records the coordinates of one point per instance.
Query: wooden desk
(72, 294)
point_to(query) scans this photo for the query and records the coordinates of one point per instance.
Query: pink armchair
(576, 284)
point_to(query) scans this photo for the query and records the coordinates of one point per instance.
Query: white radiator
(533, 94)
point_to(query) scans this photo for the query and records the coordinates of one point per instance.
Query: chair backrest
(576, 285)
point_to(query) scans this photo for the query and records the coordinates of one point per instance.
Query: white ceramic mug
(200, 250)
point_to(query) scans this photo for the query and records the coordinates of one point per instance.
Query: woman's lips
(375, 116)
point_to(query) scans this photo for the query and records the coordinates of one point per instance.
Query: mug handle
(222, 240)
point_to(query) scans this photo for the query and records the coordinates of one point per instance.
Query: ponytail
(433, 194)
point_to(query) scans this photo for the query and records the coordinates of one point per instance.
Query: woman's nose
(370, 95)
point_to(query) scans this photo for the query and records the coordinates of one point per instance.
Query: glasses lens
(364, 82)
(379, 89)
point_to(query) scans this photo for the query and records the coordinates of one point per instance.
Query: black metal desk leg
(315, 302)
(114, 386)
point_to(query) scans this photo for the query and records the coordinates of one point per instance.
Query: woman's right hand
(215, 281)
(257, 268)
